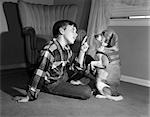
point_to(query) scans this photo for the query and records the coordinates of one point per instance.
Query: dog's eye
(106, 41)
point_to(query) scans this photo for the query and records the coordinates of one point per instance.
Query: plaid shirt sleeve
(40, 72)
(45, 60)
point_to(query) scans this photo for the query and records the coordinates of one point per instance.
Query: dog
(107, 66)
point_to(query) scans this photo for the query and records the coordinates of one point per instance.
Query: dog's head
(111, 38)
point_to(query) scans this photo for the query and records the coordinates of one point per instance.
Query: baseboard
(134, 80)
(13, 66)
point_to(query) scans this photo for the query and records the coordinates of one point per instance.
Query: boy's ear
(61, 30)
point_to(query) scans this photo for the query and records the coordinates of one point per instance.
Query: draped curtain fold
(98, 21)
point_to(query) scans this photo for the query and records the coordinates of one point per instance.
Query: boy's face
(70, 34)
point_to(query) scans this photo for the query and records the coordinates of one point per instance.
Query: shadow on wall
(12, 43)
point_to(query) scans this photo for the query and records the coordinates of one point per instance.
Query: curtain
(98, 21)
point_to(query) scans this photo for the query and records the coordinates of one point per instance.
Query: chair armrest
(30, 37)
(30, 45)
(28, 30)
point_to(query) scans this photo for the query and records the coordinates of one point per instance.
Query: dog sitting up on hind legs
(107, 78)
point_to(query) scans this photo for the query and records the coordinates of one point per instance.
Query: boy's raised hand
(84, 45)
(84, 40)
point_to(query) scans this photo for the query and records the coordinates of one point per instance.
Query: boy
(55, 61)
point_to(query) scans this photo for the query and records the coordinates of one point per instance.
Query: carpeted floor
(13, 82)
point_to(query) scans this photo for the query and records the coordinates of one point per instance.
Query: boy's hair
(63, 24)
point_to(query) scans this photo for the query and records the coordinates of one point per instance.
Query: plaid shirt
(52, 62)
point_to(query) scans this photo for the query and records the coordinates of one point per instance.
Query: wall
(134, 44)
(134, 39)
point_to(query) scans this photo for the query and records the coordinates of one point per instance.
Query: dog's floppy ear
(112, 40)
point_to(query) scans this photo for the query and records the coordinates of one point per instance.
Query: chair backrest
(42, 17)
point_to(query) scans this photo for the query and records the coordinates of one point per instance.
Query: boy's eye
(74, 30)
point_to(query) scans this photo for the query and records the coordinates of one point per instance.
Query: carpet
(13, 82)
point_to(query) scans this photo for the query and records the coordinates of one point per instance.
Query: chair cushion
(42, 17)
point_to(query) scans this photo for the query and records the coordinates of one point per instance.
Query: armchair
(37, 21)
